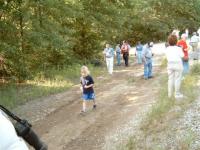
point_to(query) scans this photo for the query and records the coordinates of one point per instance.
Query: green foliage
(42, 34)
(50, 82)
(195, 70)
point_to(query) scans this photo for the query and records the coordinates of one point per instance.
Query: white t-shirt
(174, 56)
(8, 137)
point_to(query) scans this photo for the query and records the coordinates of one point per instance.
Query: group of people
(109, 54)
(178, 60)
(144, 55)
(177, 66)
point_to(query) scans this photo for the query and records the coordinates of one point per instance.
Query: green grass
(157, 120)
(44, 84)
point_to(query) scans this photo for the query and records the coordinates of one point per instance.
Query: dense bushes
(40, 34)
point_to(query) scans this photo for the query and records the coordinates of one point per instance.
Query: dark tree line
(40, 34)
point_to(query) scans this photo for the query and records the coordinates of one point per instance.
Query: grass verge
(164, 112)
(44, 84)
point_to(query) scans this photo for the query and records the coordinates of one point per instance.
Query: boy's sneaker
(94, 106)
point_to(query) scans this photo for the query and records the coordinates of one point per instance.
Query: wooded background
(36, 35)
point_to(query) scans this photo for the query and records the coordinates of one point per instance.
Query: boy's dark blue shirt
(88, 80)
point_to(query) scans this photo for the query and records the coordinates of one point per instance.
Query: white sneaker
(179, 96)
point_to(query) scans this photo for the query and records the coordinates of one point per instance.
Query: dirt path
(119, 98)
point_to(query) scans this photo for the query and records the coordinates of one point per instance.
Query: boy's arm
(88, 86)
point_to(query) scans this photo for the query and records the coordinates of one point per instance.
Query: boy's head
(84, 71)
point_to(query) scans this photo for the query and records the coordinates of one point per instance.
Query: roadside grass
(44, 84)
(164, 111)
(184, 144)
(163, 63)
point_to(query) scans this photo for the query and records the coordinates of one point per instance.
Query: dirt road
(120, 98)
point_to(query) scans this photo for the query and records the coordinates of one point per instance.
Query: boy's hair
(85, 70)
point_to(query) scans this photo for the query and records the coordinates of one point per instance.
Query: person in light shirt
(8, 137)
(194, 43)
(174, 55)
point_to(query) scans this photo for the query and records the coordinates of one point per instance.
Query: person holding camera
(9, 139)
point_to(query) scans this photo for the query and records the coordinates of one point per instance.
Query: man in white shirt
(8, 137)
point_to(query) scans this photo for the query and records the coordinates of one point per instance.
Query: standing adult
(139, 48)
(125, 51)
(118, 54)
(187, 33)
(109, 54)
(198, 31)
(182, 43)
(174, 56)
(194, 43)
(147, 58)
(176, 32)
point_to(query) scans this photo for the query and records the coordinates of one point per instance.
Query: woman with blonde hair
(87, 84)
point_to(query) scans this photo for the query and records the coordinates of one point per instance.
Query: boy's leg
(84, 106)
(94, 103)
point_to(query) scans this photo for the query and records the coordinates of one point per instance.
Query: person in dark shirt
(87, 84)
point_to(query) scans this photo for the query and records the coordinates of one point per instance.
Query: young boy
(87, 84)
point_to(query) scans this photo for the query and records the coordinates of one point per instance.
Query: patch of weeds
(195, 70)
(131, 145)
(163, 63)
(44, 84)
(131, 80)
(159, 118)
(187, 140)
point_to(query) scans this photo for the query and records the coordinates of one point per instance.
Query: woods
(36, 35)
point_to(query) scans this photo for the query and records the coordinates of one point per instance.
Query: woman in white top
(174, 56)
(8, 137)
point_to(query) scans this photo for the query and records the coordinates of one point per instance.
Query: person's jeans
(174, 81)
(185, 67)
(139, 57)
(125, 57)
(109, 63)
(118, 58)
(148, 69)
